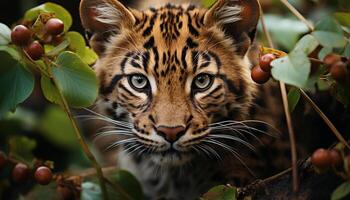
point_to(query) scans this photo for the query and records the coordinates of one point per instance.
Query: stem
(298, 15)
(325, 119)
(287, 114)
(85, 147)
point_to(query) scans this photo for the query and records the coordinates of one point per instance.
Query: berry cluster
(24, 37)
(338, 67)
(324, 159)
(21, 172)
(262, 73)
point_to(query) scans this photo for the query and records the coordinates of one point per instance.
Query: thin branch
(85, 147)
(298, 15)
(287, 114)
(325, 119)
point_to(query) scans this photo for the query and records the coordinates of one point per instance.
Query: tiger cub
(175, 80)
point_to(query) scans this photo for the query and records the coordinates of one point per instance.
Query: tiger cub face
(173, 71)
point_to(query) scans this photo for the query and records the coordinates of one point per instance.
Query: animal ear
(102, 18)
(238, 18)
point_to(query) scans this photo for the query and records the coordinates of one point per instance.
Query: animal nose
(171, 134)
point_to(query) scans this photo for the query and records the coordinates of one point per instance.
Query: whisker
(234, 139)
(233, 152)
(120, 142)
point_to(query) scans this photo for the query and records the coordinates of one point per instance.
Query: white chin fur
(171, 160)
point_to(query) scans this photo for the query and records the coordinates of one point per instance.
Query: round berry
(20, 35)
(331, 59)
(43, 175)
(35, 50)
(259, 75)
(336, 159)
(54, 26)
(65, 192)
(338, 71)
(265, 61)
(20, 173)
(321, 159)
(3, 159)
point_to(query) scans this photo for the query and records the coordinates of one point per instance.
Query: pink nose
(171, 134)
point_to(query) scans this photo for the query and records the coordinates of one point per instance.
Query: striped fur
(170, 46)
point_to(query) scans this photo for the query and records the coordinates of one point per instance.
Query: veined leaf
(76, 79)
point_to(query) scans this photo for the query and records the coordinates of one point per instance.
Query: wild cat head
(172, 72)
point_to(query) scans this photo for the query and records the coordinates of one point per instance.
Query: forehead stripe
(195, 55)
(145, 61)
(183, 57)
(149, 44)
(149, 29)
(192, 30)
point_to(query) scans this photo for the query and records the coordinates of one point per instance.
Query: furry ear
(238, 18)
(103, 18)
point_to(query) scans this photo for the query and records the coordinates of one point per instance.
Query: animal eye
(138, 81)
(203, 82)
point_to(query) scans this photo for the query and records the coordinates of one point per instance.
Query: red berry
(20, 173)
(65, 193)
(43, 175)
(331, 59)
(338, 71)
(336, 159)
(321, 158)
(265, 61)
(259, 75)
(20, 35)
(3, 159)
(54, 26)
(35, 50)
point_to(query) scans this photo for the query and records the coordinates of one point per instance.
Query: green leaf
(77, 43)
(49, 90)
(324, 51)
(129, 183)
(53, 51)
(49, 7)
(293, 69)
(329, 24)
(91, 191)
(208, 3)
(17, 82)
(55, 126)
(341, 191)
(21, 148)
(282, 31)
(330, 39)
(221, 192)
(76, 79)
(329, 33)
(306, 44)
(90, 56)
(343, 18)
(346, 52)
(293, 98)
(5, 34)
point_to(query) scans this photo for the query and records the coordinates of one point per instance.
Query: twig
(325, 118)
(85, 147)
(298, 15)
(287, 114)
